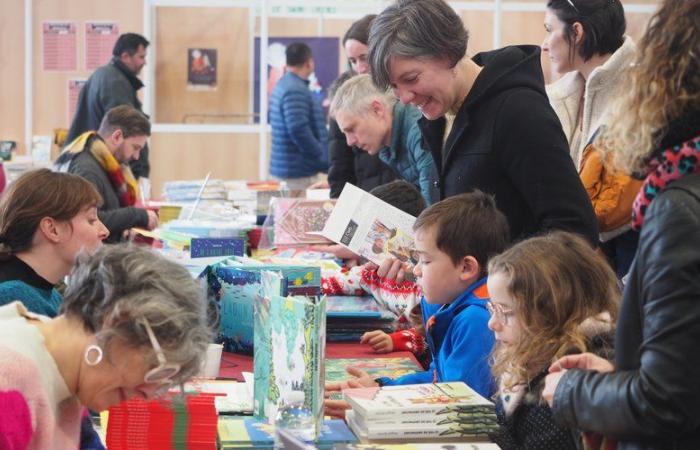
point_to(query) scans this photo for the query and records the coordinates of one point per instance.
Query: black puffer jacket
(507, 141)
(352, 165)
(652, 400)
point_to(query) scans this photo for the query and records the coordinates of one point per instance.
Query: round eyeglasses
(499, 313)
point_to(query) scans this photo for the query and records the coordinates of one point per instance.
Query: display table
(233, 365)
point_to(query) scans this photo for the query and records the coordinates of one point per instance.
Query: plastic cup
(212, 363)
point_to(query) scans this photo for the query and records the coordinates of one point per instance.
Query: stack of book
(420, 411)
(349, 317)
(184, 422)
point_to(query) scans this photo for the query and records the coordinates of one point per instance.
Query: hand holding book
(336, 408)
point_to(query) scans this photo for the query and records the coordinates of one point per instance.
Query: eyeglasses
(501, 314)
(164, 372)
(571, 2)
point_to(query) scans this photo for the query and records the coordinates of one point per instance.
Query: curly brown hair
(662, 85)
(557, 282)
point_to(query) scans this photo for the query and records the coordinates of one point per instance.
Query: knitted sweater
(37, 411)
(20, 282)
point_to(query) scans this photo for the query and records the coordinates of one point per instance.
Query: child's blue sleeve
(422, 377)
(467, 357)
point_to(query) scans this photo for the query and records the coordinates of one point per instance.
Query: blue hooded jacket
(459, 340)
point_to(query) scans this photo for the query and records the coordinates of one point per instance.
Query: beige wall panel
(525, 28)
(50, 100)
(637, 25)
(282, 27)
(225, 29)
(12, 71)
(190, 157)
(480, 26)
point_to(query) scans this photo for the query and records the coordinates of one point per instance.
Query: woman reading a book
(132, 324)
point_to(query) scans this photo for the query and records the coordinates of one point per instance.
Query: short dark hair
(467, 225)
(603, 23)
(129, 43)
(359, 30)
(130, 120)
(415, 29)
(402, 195)
(297, 53)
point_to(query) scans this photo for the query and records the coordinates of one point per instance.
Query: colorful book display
(208, 247)
(426, 446)
(420, 411)
(289, 349)
(235, 285)
(336, 369)
(299, 221)
(188, 422)
(250, 433)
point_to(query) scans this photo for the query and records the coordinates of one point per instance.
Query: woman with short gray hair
(132, 324)
(486, 120)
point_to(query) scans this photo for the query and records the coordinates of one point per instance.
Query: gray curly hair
(114, 289)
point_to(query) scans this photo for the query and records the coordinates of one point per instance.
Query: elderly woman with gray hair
(487, 120)
(132, 324)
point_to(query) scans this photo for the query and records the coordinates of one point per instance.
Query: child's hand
(583, 361)
(336, 408)
(378, 340)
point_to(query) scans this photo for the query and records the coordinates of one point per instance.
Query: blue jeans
(621, 250)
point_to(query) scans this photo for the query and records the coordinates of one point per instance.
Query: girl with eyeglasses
(585, 41)
(550, 296)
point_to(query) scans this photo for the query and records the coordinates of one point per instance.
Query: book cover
(300, 221)
(351, 306)
(234, 284)
(236, 431)
(375, 367)
(207, 247)
(371, 227)
(289, 349)
(416, 399)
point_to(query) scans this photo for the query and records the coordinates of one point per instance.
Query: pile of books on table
(186, 422)
(238, 432)
(421, 411)
(349, 317)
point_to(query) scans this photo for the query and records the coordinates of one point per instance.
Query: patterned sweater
(37, 411)
(399, 300)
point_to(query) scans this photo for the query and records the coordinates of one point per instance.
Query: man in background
(299, 135)
(114, 84)
(103, 159)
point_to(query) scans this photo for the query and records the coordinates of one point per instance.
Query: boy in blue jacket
(454, 240)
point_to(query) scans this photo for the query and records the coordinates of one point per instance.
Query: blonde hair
(663, 84)
(356, 95)
(557, 282)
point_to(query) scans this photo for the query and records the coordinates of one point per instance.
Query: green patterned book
(289, 349)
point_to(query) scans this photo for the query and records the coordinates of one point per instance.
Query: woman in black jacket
(487, 120)
(650, 399)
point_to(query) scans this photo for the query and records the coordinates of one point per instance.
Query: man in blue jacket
(299, 135)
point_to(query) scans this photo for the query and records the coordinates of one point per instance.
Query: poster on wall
(201, 68)
(74, 88)
(59, 46)
(326, 61)
(99, 42)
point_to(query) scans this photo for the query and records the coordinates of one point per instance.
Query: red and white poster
(74, 87)
(60, 46)
(99, 42)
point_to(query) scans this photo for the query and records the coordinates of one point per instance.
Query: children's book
(235, 285)
(336, 369)
(230, 396)
(462, 425)
(248, 432)
(350, 306)
(415, 400)
(370, 227)
(290, 340)
(299, 221)
(424, 446)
